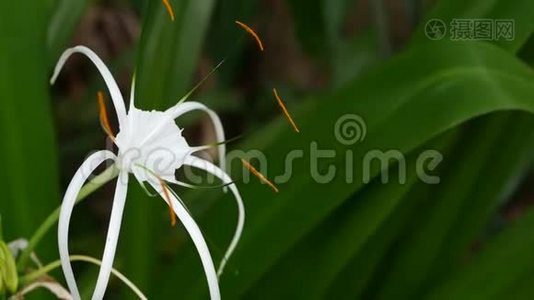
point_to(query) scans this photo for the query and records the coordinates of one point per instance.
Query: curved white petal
(211, 168)
(114, 90)
(183, 108)
(112, 237)
(198, 239)
(69, 200)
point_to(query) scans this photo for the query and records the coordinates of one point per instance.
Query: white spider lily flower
(151, 147)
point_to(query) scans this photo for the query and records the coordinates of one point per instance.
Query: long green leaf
(419, 251)
(359, 273)
(29, 177)
(421, 101)
(502, 172)
(331, 246)
(64, 20)
(500, 265)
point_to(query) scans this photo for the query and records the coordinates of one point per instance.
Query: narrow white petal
(198, 239)
(183, 108)
(211, 168)
(114, 90)
(69, 200)
(112, 237)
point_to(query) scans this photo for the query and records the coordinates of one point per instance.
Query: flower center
(151, 140)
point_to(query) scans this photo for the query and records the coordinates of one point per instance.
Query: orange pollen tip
(253, 33)
(104, 120)
(260, 176)
(168, 6)
(168, 199)
(286, 112)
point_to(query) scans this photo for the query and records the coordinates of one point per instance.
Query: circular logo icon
(350, 129)
(435, 29)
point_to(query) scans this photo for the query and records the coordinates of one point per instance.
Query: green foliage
(472, 101)
(61, 25)
(8, 268)
(28, 150)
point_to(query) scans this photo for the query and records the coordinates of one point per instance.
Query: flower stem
(106, 176)
(56, 264)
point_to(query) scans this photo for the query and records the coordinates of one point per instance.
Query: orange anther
(286, 112)
(168, 199)
(253, 33)
(259, 175)
(168, 6)
(104, 121)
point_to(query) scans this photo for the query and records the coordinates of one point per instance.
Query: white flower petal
(183, 108)
(114, 90)
(211, 168)
(198, 239)
(112, 237)
(69, 200)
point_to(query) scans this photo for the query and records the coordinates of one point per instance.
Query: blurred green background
(469, 237)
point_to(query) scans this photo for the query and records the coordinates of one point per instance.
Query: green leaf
(422, 100)
(170, 51)
(227, 40)
(28, 154)
(9, 269)
(358, 274)
(503, 262)
(331, 246)
(502, 173)
(2, 267)
(2, 288)
(419, 251)
(522, 289)
(1, 229)
(64, 20)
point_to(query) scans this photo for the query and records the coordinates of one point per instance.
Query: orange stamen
(253, 33)
(168, 6)
(169, 202)
(259, 175)
(286, 112)
(104, 120)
